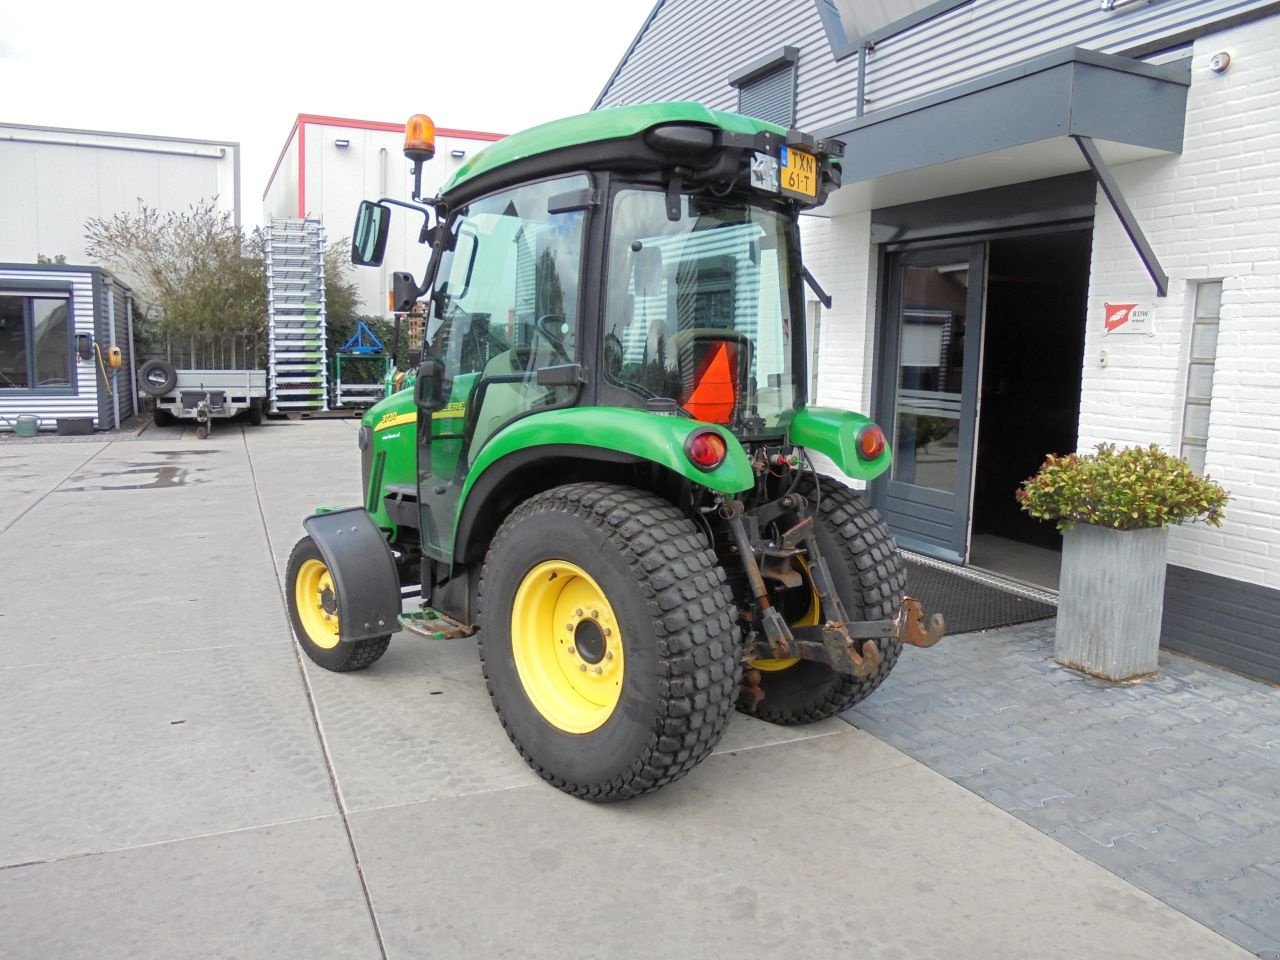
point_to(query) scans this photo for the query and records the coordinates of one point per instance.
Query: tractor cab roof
(705, 143)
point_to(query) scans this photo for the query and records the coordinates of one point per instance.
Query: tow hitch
(845, 645)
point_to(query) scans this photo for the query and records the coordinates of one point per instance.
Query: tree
(195, 271)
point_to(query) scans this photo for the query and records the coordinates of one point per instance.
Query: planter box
(1110, 601)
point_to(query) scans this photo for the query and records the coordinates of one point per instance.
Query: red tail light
(870, 442)
(706, 449)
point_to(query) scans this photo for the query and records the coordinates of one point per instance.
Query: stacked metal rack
(295, 296)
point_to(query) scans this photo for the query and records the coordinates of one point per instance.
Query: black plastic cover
(363, 572)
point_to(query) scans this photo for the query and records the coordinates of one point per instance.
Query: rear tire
(255, 412)
(608, 639)
(162, 417)
(869, 578)
(315, 617)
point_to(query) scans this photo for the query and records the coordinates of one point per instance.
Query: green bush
(1131, 489)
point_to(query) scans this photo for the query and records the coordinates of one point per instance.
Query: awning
(1064, 112)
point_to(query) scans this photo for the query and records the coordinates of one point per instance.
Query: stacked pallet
(295, 296)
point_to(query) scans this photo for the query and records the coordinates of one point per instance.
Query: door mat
(968, 604)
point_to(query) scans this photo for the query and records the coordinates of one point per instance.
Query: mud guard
(363, 572)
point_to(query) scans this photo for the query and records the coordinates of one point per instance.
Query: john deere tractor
(602, 465)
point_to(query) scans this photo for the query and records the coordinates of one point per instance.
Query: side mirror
(369, 237)
(404, 291)
(428, 388)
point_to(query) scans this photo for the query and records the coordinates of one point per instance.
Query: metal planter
(1110, 601)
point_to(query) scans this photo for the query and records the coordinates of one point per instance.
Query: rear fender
(362, 569)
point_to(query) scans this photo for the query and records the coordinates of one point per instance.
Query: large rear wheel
(869, 577)
(608, 640)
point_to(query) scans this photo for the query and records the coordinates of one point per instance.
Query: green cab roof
(614, 123)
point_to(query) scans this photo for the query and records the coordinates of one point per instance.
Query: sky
(240, 71)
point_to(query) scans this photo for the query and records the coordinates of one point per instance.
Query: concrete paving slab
(833, 846)
(106, 754)
(28, 471)
(286, 891)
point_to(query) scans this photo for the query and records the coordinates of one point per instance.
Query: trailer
(206, 379)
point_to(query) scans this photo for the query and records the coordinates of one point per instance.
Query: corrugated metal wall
(692, 46)
(84, 402)
(119, 387)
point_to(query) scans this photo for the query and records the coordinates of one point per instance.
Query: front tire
(314, 614)
(870, 579)
(608, 640)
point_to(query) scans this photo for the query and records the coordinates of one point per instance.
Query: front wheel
(608, 640)
(316, 618)
(868, 575)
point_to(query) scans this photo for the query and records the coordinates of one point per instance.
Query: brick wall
(1211, 213)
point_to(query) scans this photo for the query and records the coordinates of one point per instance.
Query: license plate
(799, 174)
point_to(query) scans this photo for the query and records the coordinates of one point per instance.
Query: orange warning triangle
(712, 396)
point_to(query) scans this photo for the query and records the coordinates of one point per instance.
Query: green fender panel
(834, 434)
(649, 436)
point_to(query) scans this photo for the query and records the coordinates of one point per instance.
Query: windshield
(699, 309)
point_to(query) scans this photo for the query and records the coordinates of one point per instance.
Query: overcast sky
(234, 70)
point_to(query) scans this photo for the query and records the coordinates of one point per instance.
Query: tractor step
(434, 625)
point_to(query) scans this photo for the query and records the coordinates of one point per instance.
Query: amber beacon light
(419, 138)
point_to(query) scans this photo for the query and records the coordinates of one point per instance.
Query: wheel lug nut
(608, 654)
(598, 670)
(608, 632)
(582, 667)
(578, 612)
(569, 627)
(595, 613)
(572, 650)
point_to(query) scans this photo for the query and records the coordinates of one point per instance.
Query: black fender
(363, 571)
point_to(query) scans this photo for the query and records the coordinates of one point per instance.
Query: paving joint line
(161, 843)
(343, 812)
(8, 526)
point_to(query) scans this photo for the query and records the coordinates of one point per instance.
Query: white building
(53, 180)
(329, 164)
(1019, 176)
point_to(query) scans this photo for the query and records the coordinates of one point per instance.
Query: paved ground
(1173, 784)
(178, 783)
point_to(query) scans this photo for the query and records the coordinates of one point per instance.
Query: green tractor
(602, 462)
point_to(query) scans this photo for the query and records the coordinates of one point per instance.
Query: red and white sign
(1126, 318)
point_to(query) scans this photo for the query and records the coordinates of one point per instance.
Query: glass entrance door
(929, 374)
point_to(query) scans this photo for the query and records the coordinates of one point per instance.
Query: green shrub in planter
(1114, 508)
(1137, 488)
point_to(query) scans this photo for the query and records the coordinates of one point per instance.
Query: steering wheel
(613, 348)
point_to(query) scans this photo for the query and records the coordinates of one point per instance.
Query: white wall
(53, 180)
(1211, 213)
(372, 165)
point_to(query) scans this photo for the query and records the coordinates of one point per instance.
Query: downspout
(382, 192)
(108, 286)
(133, 354)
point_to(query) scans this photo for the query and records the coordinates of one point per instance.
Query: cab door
(505, 305)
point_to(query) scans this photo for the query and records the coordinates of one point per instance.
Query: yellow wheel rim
(317, 604)
(567, 646)
(812, 617)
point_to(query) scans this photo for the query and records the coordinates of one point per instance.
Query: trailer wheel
(162, 417)
(314, 614)
(869, 577)
(157, 377)
(255, 412)
(608, 639)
